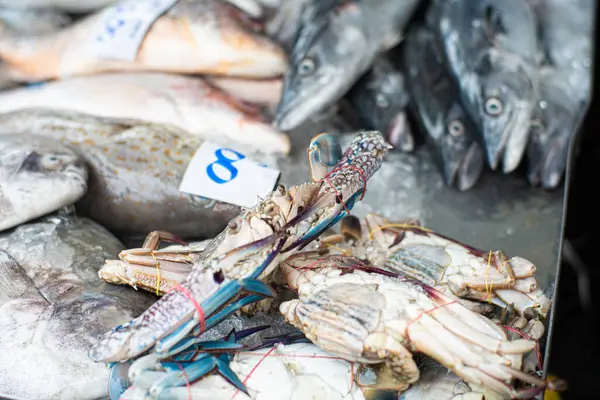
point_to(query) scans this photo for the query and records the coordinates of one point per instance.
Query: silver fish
(491, 50)
(555, 120)
(136, 169)
(336, 43)
(38, 175)
(380, 99)
(566, 29)
(450, 133)
(53, 306)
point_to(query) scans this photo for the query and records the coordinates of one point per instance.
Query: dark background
(574, 345)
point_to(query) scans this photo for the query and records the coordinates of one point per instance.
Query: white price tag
(122, 27)
(224, 174)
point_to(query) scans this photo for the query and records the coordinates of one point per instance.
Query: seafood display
(267, 199)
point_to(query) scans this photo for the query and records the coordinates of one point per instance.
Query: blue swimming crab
(230, 272)
(371, 316)
(477, 277)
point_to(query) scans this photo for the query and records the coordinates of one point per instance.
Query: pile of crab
(373, 299)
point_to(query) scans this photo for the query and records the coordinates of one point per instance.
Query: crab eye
(218, 277)
(381, 100)
(306, 66)
(456, 128)
(493, 106)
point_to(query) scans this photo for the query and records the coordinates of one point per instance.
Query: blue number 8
(226, 163)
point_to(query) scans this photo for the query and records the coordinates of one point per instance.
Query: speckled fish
(491, 50)
(450, 135)
(136, 169)
(566, 31)
(38, 175)
(53, 306)
(186, 102)
(380, 100)
(336, 44)
(193, 36)
(74, 6)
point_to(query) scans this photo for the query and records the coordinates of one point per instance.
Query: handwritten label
(227, 175)
(122, 27)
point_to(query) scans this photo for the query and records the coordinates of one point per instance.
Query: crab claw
(158, 377)
(323, 151)
(340, 189)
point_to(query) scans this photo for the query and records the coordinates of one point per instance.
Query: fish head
(383, 106)
(324, 63)
(452, 141)
(39, 176)
(554, 121)
(505, 100)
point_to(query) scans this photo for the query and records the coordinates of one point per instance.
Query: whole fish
(491, 50)
(38, 175)
(53, 306)
(380, 99)
(566, 30)
(183, 40)
(186, 102)
(336, 44)
(450, 134)
(74, 6)
(136, 169)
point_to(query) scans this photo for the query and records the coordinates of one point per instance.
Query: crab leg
(174, 316)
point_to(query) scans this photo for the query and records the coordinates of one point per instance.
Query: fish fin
(14, 281)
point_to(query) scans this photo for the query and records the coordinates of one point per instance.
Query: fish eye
(306, 66)
(493, 106)
(456, 128)
(381, 100)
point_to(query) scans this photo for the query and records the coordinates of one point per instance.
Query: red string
(424, 313)
(524, 336)
(338, 195)
(197, 306)
(254, 369)
(187, 380)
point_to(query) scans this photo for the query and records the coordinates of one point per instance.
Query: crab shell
(455, 268)
(371, 316)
